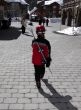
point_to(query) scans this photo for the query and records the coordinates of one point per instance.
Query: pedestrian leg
(37, 76)
(23, 29)
(42, 72)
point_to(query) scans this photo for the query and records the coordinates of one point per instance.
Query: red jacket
(44, 46)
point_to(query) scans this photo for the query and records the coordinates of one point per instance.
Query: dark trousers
(23, 29)
(39, 72)
(46, 23)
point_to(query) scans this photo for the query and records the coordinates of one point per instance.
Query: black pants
(39, 72)
(23, 29)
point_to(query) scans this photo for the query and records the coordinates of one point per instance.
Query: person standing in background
(23, 22)
(47, 21)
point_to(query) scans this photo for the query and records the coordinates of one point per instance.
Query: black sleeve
(49, 47)
(49, 58)
(33, 41)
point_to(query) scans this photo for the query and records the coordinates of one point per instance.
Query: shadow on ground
(27, 34)
(9, 34)
(59, 101)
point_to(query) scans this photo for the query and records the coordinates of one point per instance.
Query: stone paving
(61, 90)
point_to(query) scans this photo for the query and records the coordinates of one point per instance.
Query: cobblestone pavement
(61, 90)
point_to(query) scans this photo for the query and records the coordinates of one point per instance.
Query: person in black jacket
(41, 56)
(47, 21)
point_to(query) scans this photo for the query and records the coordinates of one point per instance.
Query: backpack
(37, 57)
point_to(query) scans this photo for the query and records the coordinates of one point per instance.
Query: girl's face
(41, 36)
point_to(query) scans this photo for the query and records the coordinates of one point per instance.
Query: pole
(61, 19)
(73, 17)
(77, 13)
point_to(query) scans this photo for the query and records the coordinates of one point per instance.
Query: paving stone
(24, 100)
(17, 95)
(30, 95)
(38, 100)
(10, 100)
(1, 100)
(4, 106)
(16, 107)
(31, 106)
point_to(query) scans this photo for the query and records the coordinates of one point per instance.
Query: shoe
(38, 85)
(41, 76)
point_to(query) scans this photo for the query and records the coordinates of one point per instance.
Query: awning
(52, 1)
(12, 1)
(23, 2)
(17, 1)
(38, 2)
(33, 10)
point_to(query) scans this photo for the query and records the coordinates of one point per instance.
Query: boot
(38, 84)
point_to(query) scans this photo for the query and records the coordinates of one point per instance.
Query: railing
(55, 20)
